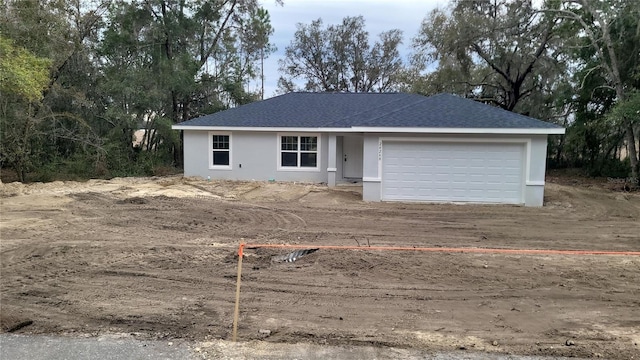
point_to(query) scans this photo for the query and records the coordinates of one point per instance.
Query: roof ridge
(369, 109)
(346, 93)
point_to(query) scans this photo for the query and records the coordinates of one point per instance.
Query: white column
(331, 166)
(371, 172)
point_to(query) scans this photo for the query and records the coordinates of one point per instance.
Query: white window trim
(220, 167)
(298, 168)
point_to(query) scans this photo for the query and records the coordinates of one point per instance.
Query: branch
(584, 78)
(81, 36)
(527, 92)
(485, 57)
(543, 45)
(615, 72)
(602, 87)
(208, 52)
(590, 34)
(497, 87)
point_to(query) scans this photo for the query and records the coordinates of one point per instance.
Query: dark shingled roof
(346, 110)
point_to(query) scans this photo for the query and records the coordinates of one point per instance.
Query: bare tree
(340, 58)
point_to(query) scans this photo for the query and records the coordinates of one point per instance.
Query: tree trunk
(559, 148)
(632, 151)
(262, 73)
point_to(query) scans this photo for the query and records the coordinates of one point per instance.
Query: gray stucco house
(403, 147)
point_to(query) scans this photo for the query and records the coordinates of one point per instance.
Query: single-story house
(403, 147)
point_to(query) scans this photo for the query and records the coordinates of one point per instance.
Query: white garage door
(453, 172)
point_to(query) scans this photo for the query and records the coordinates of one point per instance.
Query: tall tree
(178, 59)
(256, 37)
(608, 36)
(340, 58)
(497, 51)
(23, 78)
(62, 32)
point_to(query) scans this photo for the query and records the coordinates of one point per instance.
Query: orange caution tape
(240, 250)
(445, 249)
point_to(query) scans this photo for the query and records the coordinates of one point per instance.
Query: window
(298, 152)
(220, 151)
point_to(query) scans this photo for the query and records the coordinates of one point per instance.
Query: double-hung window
(220, 150)
(298, 152)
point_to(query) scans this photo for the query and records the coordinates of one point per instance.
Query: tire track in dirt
(233, 218)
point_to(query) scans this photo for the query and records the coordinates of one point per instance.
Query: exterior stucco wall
(254, 156)
(534, 161)
(534, 190)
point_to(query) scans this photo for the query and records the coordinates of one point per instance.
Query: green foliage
(614, 168)
(626, 109)
(23, 77)
(78, 79)
(21, 72)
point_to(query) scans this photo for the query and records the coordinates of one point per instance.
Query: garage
(483, 172)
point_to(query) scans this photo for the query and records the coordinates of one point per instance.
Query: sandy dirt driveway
(155, 258)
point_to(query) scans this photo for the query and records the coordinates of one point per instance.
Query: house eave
(260, 128)
(366, 129)
(418, 130)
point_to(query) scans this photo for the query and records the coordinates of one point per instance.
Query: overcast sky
(379, 15)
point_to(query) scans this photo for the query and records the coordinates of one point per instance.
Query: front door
(352, 157)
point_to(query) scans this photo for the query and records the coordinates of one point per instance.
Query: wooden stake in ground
(236, 312)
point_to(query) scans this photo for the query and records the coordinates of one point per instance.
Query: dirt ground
(155, 258)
